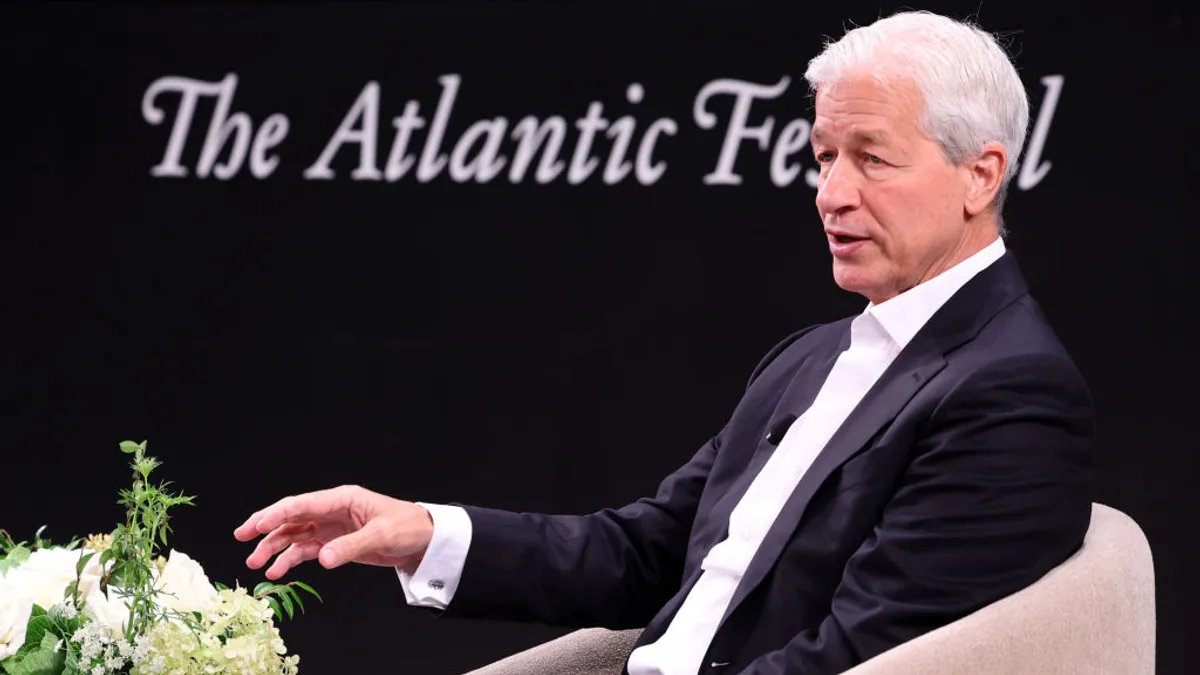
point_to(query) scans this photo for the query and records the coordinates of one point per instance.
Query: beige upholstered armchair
(1093, 615)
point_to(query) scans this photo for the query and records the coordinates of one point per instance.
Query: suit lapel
(881, 404)
(958, 321)
(799, 395)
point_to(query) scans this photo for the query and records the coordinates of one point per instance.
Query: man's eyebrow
(872, 137)
(866, 137)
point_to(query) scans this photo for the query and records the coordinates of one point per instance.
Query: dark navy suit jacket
(962, 477)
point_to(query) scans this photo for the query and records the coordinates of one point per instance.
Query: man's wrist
(412, 562)
(430, 577)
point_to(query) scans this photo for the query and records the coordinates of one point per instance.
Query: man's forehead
(869, 93)
(864, 111)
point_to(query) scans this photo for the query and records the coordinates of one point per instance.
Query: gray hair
(972, 93)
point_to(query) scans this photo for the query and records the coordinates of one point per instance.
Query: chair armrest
(591, 651)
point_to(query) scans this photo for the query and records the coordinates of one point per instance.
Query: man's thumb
(349, 547)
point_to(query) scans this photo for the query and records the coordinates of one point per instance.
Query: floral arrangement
(112, 605)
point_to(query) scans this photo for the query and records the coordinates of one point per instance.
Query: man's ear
(985, 174)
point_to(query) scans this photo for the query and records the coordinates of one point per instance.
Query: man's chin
(854, 279)
(849, 277)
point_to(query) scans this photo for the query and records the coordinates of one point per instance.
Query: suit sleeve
(996, 495)
(615, 568)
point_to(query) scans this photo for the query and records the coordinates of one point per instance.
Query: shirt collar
(904, 315)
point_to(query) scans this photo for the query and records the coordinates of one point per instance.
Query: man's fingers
(278, 540)
(310, 506)
(372, 538)
(294, 555)
(249, 529)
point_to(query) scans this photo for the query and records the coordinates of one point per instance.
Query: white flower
(109, 609)
(93, 641)
(45, 576)
(185, 587)
(14, 618)
(63, 610)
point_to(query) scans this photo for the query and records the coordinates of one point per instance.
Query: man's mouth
(846, 238)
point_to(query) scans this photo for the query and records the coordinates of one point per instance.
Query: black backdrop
(551, 345)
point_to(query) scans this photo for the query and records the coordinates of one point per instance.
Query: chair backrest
(1092, 615)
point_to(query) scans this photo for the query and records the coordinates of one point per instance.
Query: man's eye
(825, 156)
(875, 160)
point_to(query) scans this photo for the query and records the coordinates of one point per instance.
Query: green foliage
(13, 553)
(6, 542)
(283, 598)
(40, 542)
(129, 561)
(15, 556)
(47, 649)
(136, 542)
(37, 658)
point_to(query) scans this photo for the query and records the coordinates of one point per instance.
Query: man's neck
(979, 236)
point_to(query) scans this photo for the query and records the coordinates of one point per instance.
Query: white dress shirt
(876, 337)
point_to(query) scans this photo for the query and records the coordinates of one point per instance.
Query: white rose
(185, 587)
(110, 609)
(45, 576)
(15, 609)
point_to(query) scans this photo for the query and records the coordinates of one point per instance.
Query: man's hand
(345, 524)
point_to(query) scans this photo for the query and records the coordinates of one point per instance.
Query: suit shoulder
(1019, 345)
(1021, 331)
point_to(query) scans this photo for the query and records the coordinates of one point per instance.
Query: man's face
(892, 205)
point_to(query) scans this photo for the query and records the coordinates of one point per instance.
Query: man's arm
(996, 496)
(638, 553)
(614, 568)
(610, 568)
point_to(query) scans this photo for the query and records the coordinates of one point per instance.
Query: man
(882, 476)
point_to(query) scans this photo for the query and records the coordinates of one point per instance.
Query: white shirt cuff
(436, 578)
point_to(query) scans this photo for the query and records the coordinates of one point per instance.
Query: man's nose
(837, 189)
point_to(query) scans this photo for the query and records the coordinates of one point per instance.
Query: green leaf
(220, 586)
(14, 559)
(306, 587)
(129, 447)
(295, 597)
(36, 630)
(83, 560)
(19, 555)
(42, 660)
(275, 606)
(287, 604)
